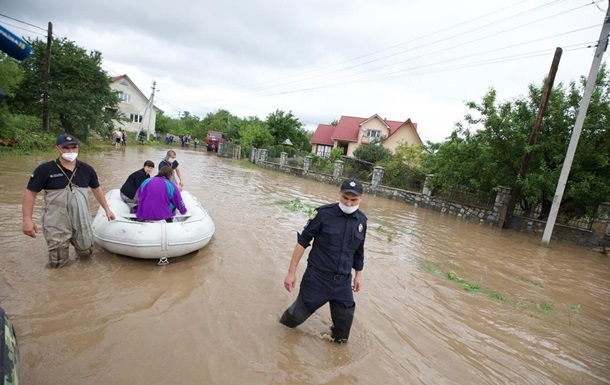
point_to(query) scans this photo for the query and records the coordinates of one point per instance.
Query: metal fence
(462, 195)
(541, 212)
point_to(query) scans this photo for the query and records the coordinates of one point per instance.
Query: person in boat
(170, 160)
(133, 182)
(159, 198)
(338, 231)
(66, 217)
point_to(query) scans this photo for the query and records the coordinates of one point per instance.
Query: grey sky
(323, 59)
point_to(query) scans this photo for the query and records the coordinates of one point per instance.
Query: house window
(323, 151)
(125, 98)
(135, 118)
(373, 133)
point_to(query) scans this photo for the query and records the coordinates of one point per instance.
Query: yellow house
(352, 132)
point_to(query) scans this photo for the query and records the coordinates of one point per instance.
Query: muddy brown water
(444, 301)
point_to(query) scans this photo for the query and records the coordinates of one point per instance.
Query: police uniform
(338, 247)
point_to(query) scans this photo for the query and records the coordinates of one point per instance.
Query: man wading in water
(66, 218)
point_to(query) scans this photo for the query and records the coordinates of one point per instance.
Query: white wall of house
(135, 107)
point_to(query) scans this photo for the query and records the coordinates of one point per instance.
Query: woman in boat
(159, 198)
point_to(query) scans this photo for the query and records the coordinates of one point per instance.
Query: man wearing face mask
(66, 218)
(170, 160)
(338, 231)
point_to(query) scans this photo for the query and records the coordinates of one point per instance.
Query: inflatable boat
(152, 240)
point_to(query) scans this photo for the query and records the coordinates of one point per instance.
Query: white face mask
(171, 160)
(348, 209)
(69, 156)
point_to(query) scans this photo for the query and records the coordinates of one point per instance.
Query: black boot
(342, 322)
(296, 314)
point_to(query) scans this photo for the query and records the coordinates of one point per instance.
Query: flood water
(444, 301)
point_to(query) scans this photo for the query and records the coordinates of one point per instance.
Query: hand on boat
(110, 215)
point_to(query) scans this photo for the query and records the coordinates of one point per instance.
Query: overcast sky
(400, 59)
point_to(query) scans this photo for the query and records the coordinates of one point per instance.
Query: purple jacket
(159, 199)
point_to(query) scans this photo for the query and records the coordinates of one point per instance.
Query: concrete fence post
(338, 170)
(500, 209)
(283, 158)
(307, 164)
(377, 176)
(427, 191)
(601, 225)
(253, 155)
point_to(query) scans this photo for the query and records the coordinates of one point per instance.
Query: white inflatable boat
(152, 240)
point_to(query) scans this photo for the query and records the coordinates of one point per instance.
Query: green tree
(488, 151)
(79, 90)
(284, 126)
(254, 132)
(373, 153)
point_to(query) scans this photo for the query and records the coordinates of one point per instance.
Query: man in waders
(65, 214)
(338, 231)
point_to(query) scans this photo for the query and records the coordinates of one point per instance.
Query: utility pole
(47, 71)
(525, 164)
(151, 110)
(602, 44)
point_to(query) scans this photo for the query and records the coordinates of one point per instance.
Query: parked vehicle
(213, 139)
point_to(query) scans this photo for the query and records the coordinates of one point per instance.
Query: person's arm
(98, 193)
(291, 278)
(178, 202)
(179, 173)
(29, 227)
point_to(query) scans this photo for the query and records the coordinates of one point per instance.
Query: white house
(135, 106)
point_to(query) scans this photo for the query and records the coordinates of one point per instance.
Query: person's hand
(110, 215)
(357, 283)
(290, 281)
(181, 186)
(29, 228)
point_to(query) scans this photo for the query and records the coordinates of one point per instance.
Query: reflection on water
(444, 301)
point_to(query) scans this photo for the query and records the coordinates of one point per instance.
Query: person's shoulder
(362, 214)
(84, 165)
(326, 207)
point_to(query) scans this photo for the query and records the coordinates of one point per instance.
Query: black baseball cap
(352, 186)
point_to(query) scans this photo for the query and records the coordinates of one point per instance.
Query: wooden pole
(47, 71)
(514, 197)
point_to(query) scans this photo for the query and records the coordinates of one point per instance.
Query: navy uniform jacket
(132, 183)
(338, 240)
(52, 176)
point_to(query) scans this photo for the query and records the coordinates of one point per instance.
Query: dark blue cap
(352, 186)
(65, 139)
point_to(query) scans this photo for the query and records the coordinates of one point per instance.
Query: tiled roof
(322, 135)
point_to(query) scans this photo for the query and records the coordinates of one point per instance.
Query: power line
(492, 23)
(24, 22)
(431, 53)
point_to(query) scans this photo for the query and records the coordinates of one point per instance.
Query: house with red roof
(352, 132)
(134, 105)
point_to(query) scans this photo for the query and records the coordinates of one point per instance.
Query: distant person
(170, 160)
(118, 137)
(338, 231)
(141, 137)
(159, 198)
(133, 182)
(66, 218)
